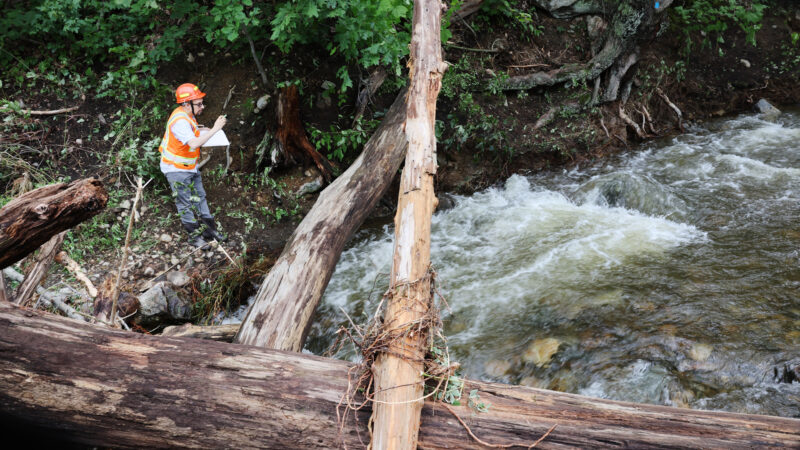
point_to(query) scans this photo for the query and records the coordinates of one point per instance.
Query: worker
(180, 150)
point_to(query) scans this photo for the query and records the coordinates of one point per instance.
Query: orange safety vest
(175, 152)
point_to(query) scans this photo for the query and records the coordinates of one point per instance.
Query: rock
(446, 201)
(541, 351)
(261, 103)
(102, 119)
(165, 238)
(766, 108)
(149, 271)
(310, 187)
(160, 304)
(190, 58)
(174, 260)
(309, 172)
(178, 278)
(327, 85)
(497, 368)
(700, 352)
(125, 204)
(745, 63)
(79, 141)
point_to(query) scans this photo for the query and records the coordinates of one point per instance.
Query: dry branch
(74, 268)
(126, 248)
(40, 267)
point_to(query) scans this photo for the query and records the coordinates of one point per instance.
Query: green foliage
(338, 142)
(367, 33)
(516, 17)
(712, 18)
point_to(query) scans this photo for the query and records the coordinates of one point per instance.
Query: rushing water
(670, 276)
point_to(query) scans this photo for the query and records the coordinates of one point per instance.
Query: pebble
(700, 352)
(125, 204)
(178, 278)
(165, 238)
(174, 260)
(149, 271)
(541, 351)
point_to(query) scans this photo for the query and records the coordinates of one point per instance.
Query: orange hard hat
(187, 92)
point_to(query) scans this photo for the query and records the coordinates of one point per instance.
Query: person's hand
(220, 122)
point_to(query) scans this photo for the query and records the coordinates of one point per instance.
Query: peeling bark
(397, 372)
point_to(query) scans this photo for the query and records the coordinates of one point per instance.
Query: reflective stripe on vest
(175, 152)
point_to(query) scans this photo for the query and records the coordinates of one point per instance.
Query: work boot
(195, 235)
(211, 232)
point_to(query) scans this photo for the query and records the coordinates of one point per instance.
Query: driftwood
(281, 313)
(75, 268)
(39, 269)
(101, 387)
(33, 218)
(222, 333)
(47, 298)
(398, 369)
(290, 138)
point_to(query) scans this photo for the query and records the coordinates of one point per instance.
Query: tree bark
(96, 386)
(280, 315)
(291, 140)
(398, 371)
(222, 333)
(40, 267)
(33, 218)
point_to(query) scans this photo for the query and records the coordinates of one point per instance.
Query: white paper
(217, 140)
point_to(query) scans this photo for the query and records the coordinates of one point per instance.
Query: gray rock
(165, 238)
(261, 103)
(766, 108)
(174, 260)
(149, 271)
(125, 204)
(446, 201)
(161, 304)
(310, 187)
(178, 278)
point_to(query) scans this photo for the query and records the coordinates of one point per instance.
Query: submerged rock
(541, 351)
(497, 368)
(700, 352)
(766, 108)
(161, 304)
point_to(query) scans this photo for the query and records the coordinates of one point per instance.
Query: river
(669, 275)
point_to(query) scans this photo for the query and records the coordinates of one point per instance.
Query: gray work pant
(190, 197)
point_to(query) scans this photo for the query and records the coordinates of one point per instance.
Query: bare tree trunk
(33, 218)
(291, 140)
(281, 313)
(40, 267)
(101, 387)
(398, 372)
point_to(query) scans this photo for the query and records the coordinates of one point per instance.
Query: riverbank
(487, 135)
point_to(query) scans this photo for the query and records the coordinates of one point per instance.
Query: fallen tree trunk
(33, 218)
(97, 386)
(399, 367)
(280, 315)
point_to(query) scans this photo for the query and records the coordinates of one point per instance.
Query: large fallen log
(33, 218)
(280, 315)
(399, 367)
(74, 382)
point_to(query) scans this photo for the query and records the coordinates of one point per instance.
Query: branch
(124, 258)
(71, 265)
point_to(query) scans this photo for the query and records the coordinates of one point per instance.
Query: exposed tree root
(672, 106)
